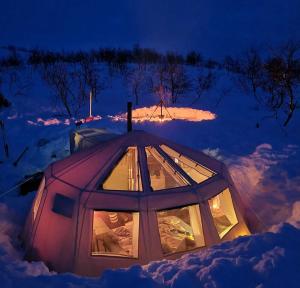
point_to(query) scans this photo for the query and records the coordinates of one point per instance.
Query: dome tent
(133, 199)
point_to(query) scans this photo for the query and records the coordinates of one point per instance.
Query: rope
(14, 187)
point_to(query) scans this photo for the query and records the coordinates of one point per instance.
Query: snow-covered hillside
(264, 163)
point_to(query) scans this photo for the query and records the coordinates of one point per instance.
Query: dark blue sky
(216, 27)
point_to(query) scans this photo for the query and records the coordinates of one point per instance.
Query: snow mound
(266, 260)
(269, 182)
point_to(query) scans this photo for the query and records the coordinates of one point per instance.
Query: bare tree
(204, 82)
(4, 103)
(282, 80)
(92, 77)
(156, 79)
(14, 74)
(58, 78)
(172, 77)
(249, 69)
(135, 78)
(177, 81)
(274, 81)
(19, 80)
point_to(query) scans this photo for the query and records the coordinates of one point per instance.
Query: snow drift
(267, 185)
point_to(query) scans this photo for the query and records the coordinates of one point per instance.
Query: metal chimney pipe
(129, 116)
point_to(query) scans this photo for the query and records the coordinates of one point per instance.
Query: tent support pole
(129, 116)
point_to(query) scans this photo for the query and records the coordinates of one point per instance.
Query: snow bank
(269, 182)
(267, 260)
(294, 219)
(12, 267)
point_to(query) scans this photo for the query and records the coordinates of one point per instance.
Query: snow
(264, 163)
(154, 114)
(267, 184)
(244, 262)
(295, 215)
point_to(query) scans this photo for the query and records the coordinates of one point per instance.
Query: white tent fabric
(78, 224)
(84, 138)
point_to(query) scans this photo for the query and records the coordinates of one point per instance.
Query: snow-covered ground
(264, 163)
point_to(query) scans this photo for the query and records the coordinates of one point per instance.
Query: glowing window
(180, 229)
(115, 234)
(223, 213)
(196, 171)
(126, 175)
(38, 198)
(162, 175)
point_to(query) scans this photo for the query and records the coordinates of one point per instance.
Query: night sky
(215, 27)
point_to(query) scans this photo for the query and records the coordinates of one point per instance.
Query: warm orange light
(153, 114)
(54, 121)
(243, 231)
(216, 203)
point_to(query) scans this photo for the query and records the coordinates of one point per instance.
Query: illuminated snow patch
(12, 117)
(89, 119)
(54, 121)
(154, 114)
(48, 122)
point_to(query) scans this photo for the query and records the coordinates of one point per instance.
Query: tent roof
(84, 169)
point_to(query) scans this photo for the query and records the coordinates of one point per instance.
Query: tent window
(180, 229)
(196, 171)
(162, 175)
(115, 233)
(127, 174)
(223, 213)
(38, 198)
